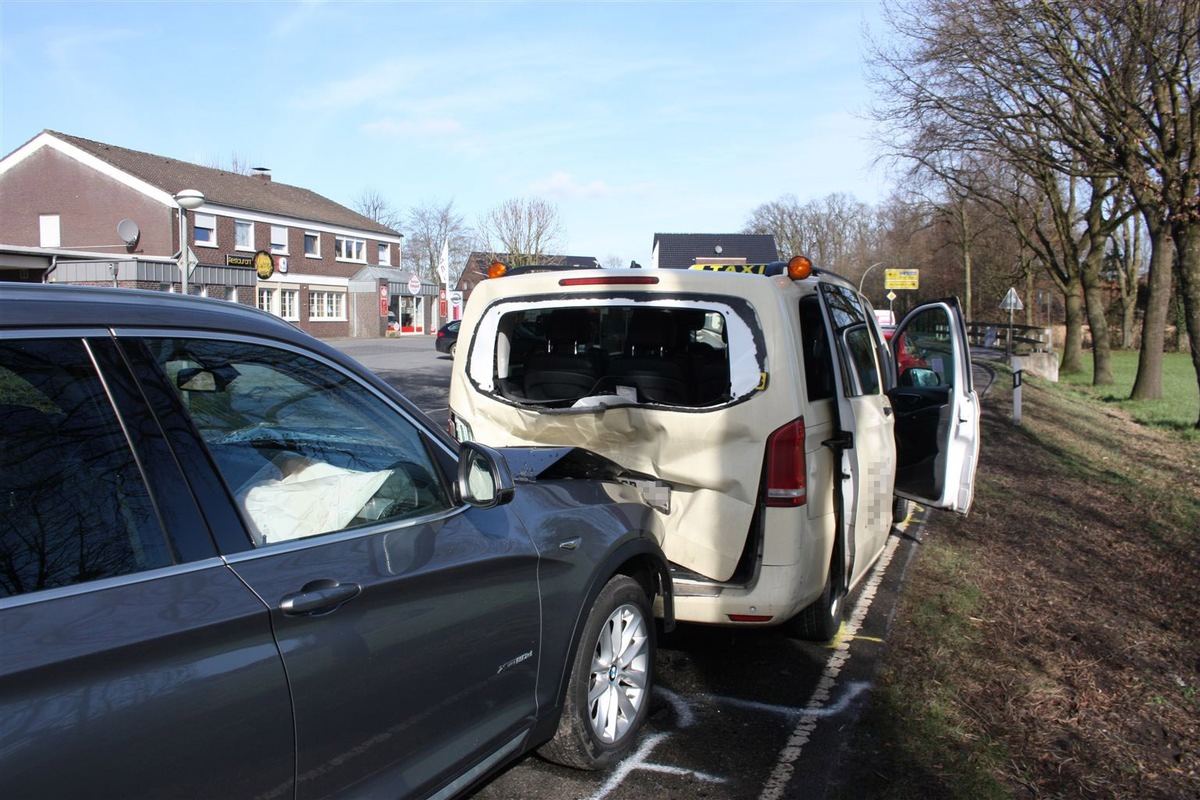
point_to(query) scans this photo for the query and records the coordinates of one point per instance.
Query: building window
(231, 294)
(289, 304)
(266, 299)
(279, 239)
(51, 231)
(312, 244)
(326, 305)
(243, 235)
(348, 249)
(385, 254)
(204, 230)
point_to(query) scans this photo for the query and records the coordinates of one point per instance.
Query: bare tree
(1058, 86)
(837, 231)
(1126, 264)
(430, 227)
(523, 230)
(237, 164)
(372, 204)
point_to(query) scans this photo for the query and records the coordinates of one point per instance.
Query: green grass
(925, 743)
(937, 727)
(1180, 403)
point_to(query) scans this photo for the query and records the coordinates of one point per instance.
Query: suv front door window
(303, 448)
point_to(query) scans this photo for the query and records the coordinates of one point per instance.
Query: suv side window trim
(349, 534)
(116, 581)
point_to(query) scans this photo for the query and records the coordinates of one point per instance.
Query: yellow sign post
(901, 278)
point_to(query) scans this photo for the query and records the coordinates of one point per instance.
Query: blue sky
(632, 118)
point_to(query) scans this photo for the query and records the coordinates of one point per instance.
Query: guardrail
(1016, 339)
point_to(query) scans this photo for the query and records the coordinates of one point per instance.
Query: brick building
(78, 211)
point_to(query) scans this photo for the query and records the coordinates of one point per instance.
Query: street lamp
(864, 275)
(188, 199)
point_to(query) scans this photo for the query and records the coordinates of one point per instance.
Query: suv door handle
(319, 597)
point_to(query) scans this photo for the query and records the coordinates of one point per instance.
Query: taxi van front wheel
(608, 693)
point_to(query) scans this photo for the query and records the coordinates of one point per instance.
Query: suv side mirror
(484, 479)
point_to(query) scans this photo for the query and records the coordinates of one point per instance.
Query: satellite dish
(128, 230)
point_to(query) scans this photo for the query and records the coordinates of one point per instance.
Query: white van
(759, 407)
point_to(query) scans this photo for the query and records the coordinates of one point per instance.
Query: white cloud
(299, 17)
(369, 86)
(392, 127)
(563, 186)
(76, 49)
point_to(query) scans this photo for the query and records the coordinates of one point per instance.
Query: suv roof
(37, 305)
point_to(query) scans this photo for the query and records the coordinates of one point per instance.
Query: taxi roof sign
(750, 269)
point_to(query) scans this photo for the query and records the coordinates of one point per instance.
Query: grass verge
(1047, 645)
(1180, 403)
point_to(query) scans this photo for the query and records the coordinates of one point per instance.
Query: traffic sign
(1012, 301)
(901, 278)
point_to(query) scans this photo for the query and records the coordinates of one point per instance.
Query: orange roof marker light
(799, 268)
(497, 269)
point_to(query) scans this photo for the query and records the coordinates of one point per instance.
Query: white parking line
(818, 705)
(638, 761)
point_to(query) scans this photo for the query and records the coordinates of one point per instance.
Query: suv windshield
(580, 356)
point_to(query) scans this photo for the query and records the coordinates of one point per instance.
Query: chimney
(262, 173)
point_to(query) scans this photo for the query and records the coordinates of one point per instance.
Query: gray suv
(235, 563)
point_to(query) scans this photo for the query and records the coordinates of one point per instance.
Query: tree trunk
(1072, 359)
(1148, 383)
(966, 256)
(1187, 246)
(1030, 290)
(1093, 301)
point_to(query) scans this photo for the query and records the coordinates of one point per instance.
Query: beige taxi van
(759, 408)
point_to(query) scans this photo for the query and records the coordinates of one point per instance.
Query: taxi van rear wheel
(822, 620)
(608, 693)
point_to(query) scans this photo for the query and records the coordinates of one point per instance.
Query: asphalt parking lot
(736, 713)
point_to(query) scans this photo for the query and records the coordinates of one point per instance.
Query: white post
(188, 198)
(1017, 379)
(183, 250)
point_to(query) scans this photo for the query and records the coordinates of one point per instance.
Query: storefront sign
(264, 265)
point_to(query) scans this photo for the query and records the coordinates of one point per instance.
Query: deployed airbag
(293, 497)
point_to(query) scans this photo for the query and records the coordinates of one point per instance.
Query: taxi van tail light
(787, 467)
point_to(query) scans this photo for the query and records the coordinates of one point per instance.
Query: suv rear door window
(75, 506)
